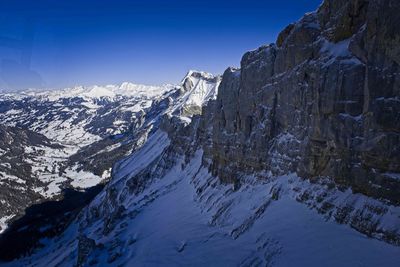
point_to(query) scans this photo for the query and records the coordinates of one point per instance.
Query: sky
(64, 43)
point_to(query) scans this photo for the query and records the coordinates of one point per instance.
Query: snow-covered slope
(165, 209)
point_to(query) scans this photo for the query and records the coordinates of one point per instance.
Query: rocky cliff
(323, 102)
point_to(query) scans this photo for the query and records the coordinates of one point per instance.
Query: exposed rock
(85, 246)
(324, 102)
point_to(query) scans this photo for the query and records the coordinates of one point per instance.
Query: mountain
(55, 140)
(294, 160)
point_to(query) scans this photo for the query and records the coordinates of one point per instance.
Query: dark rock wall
(323, 101)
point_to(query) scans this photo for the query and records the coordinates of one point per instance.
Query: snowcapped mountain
(86, 130)
(293, 159)
(95, 92)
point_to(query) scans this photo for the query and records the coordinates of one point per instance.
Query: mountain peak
(193, 77)
(199, 74)
(98, 91)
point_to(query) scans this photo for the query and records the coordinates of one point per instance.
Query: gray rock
(323, 102)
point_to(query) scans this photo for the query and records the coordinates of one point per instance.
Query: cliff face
(322, 102)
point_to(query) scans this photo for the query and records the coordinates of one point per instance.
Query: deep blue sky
(70, 42)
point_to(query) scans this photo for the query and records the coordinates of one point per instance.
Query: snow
(119, 122)
(46, 162)
(152, 149)
(340, 49)
(83, 179)
(89, 105)
(348, 116)
(185, 236)
(285, 138)
(3, 223)
(13, 112)
(2, 152)
(313, 25)
(67, 132)
(94, 92)
(351, 61)
(8, 177)
(392, 175)
(337, 52)
(190, 74)
(98, 92)
(204, 88)
(46, 166)
(201, 92)
(53, 188)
